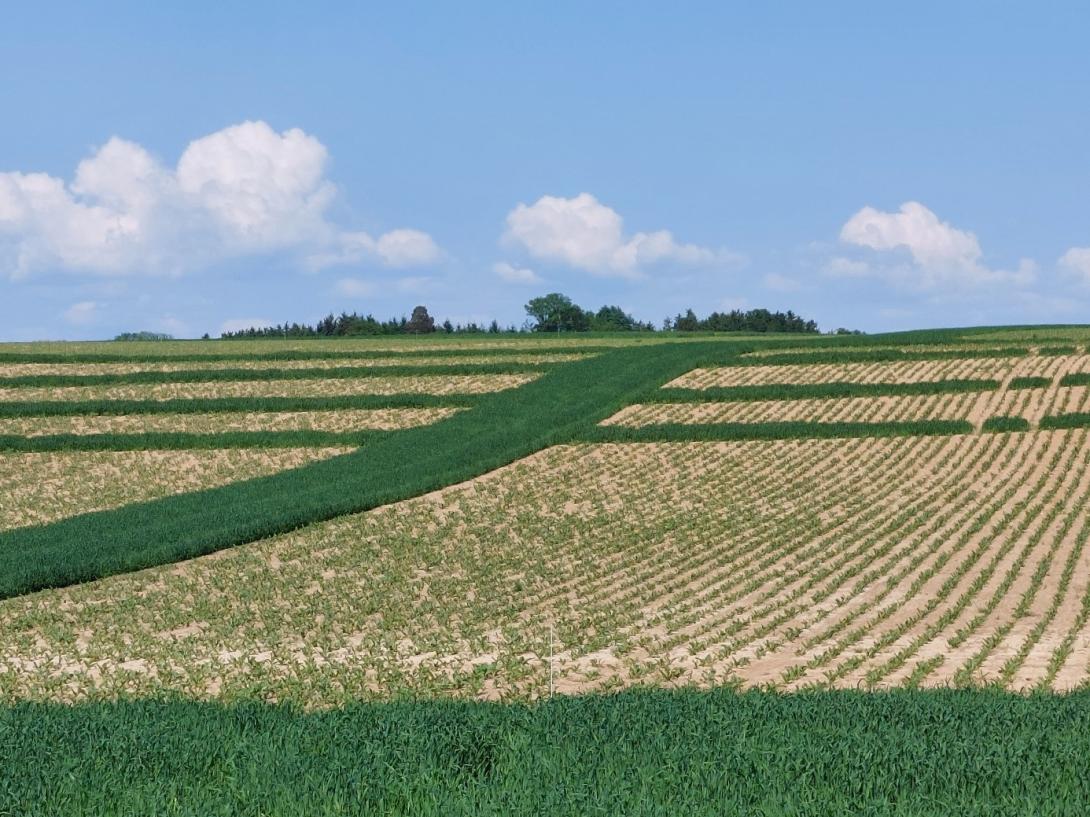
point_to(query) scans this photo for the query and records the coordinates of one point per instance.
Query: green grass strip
(864, 355)
(1003, 423)
(643, 752)
(811, 391)
(301, 354)
(1058, 421)
(61, 408)
(1030, 383)
(502, 427)
(1057, 351)
(681, 432)
(177, 441)
(1076, 379)
(250, 375)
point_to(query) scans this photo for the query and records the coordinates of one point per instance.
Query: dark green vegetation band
(863, 355)
(810, 391)
(1055, 351)
(1005, 424)
(261, 375)
(1030, 383)
(215, 405)
(502, 427)
(900, 753)
(681, 432)
(1076, 379)
(1058, 421)
(298, 354)
(180, 441)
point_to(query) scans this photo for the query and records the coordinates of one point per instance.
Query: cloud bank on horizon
(242, 191)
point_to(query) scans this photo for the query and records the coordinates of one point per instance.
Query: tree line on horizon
(554, 312)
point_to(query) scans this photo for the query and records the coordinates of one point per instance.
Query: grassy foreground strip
(79, 408)
(811, 391)
(250, 375)
(790, 430)
(181, 441)
(969, 753)
(563, 404)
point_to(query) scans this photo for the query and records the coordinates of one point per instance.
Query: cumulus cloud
(515, 275)
(243, 190)
(940, 253)
(82, 313)
(582, 232)
(1077, 261)
(354, 288)
(781, 283)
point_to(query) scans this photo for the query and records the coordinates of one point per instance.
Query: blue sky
(865, 164)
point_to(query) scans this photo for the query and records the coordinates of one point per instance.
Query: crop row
(314, 387)
(912, 371)
(346, 421)
(40, 488)
(879, 562)
(412, 364)
(501, 427)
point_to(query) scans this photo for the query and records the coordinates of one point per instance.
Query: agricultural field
(512, 535)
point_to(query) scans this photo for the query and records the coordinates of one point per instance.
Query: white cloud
(585, 234)
(407, 248)
(941, 255)
(781, 283)
(515, 275)
(354, 288)
(243, 190)
(421, 284)
(82, 313)
(1077, 261)
(840, 267)
(238, 324)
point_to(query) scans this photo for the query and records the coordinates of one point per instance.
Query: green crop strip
(1056, 351)
(680, 432)
(302, 354)
(1076, 379)
(809, 391)
(1030, 383)
(502, 427)
(1005, 424)
(1073, 420)
(61, 408)
(260, 375)
(163, 441)
(720, 752)
(864, 355)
